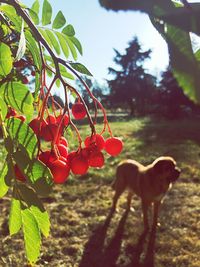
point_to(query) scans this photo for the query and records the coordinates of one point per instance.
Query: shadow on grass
(138, 251)
(96, 254)
(169, 131)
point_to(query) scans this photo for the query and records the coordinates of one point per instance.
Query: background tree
(171, 100)
(131, 85)
(174, 20)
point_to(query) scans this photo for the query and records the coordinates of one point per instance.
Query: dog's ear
(164, 165)
(159, 166)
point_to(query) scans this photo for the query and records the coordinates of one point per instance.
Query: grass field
(83, 234)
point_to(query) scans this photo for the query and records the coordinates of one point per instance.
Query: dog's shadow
(97, 254)
(141, 257)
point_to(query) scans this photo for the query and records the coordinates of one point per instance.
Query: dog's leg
(145, 208)
(115, 199)
(156, 206)
(129, 198)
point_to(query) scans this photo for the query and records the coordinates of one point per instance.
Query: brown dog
(149, 182)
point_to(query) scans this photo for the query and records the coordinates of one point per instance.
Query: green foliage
(175, 22)
(29, 48)
(5, 60)
(18, 96)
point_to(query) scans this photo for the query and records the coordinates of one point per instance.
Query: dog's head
(166, 166)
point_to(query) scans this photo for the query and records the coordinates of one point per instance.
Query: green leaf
(54, 41)
(22, 44)
(63, 44)
(184, 64)
(45, 35)
(46, 13)
(33, 169)
(34, 16)
(3, 186)
(15, 219)
(32, 236)
(65, 73)
(5, 60)
(21, 133)
(80, 68)
(3, 108)
(78, 45)
(72, 48)
(36, 7)
(59, 21)
(10, 12)
(42, 219)
(34, 49)
(58, 83)
(18, 96)
(31, 201)
(69, 30)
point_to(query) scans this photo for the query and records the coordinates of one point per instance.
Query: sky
(99, 31)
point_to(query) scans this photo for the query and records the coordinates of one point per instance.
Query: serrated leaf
(78, 45)
(3, 186)
(20, 133)
(42, 219)
(32, 236)
(18, 96)
(34, 16)
(15, 219)
(33, 169)
(45, 36)
(69, 30)
(54, 41)
(46, 13)
(3, 108)
(22, 44)
(36, 6)
(5, 60)
(72, 48)
(59, 21)
(80, 68)
(63, 44)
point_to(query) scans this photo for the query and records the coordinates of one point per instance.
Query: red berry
(95, 139)
(63, 141)
(79, 165)
(11, 113)
(33, 73)
(60, 171)
(71, 156)
(47, 157)
(96, 159)
(65, 120)
(51, 119)
(78, 111)
(25, 80)
(62, 150)
(113, 146)
(49, 131)
(20, 64)
(37, 126)
(18, 174)
(21, 117)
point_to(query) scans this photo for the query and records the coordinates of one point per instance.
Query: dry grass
(83, 234)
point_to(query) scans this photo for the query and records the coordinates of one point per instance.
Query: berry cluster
(51, 128)
(58, 159)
